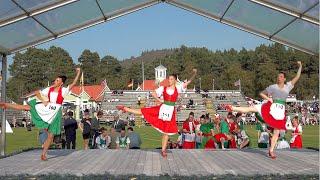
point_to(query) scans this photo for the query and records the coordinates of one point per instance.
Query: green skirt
(54, 127)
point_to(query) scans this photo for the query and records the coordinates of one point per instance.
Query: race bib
(166, 112)
(277, 111)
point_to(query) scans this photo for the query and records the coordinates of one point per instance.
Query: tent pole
(3, 99)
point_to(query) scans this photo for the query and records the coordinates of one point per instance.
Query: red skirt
(269, 120)
(188, 145)
(210, 144)
(233, 143)
(219, 136)
(151, 115)
(297, 143)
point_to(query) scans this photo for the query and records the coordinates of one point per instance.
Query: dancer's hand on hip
(270, 100)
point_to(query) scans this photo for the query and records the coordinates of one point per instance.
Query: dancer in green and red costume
(47, 113)
(163, 116)
(273, 111)
(207, 133)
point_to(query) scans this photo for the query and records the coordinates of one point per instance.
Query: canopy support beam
(87, 25)
(28, 14)
(275, 33)
(288, 11)
(236, 25)
(36, 12)
(227, 9)
(3, 99)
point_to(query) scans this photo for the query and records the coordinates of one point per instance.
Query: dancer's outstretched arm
(296, 78)
(191, 79)
(75, 79)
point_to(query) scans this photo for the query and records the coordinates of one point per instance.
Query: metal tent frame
(33, 14)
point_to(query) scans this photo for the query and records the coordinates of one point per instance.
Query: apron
(278, 109)
(167, 108)
(49, 112)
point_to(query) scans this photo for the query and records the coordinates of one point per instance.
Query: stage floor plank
(196, 162)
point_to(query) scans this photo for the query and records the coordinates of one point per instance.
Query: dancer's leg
(165, 138)
(46, 145)
(15, 106)
(274, 139)
(134, 111)
(244, 109)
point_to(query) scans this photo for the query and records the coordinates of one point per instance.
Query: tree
(90, 62)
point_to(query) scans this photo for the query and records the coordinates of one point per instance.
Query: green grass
(23, 139)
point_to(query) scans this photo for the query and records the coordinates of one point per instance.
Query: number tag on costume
(47, 113)
(277, 111)
(166, 112)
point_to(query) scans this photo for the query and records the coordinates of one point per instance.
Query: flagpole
(132, 84)
(142, 74)
(212, 84)
(240, 85)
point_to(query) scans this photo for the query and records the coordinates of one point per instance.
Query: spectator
(232, 128)
(24, 122)
(43, 135)
(296, 140)
(95, 126)
(282, 142)
(222, 135)
(197, 131)
(123, 141)
(263, 135)
(242, 137)
(179, 140)
(70, 127)
(189, 132)
(207, 132)
(118, 124)
(103, 140)
(113, 138)
(135, 140)
(14, 121)
(85, 127)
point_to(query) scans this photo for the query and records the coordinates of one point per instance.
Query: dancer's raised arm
(296, 78)
(191, 79)
(75, 79)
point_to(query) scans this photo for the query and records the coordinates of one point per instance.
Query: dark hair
(284, 74)
(191, 113)
(100, 113)
(103, 129)
(174, 75)
(86, 111)
(230, 114)
(202, 116)
(130, 128)
(123, 129)
(70, 113)
(63, 78)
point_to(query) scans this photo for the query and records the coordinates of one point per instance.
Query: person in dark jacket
(70, 127)
(85, 126)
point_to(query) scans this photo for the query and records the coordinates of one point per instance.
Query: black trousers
(71, 140)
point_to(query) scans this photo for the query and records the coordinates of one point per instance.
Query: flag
(130, 83)
(237, 83)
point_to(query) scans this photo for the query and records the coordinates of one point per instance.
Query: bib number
(277, 111)
(53, 108)
(166, 112)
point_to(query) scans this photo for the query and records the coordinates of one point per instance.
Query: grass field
(23, 139)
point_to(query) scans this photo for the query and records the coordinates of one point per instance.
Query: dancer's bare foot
(44, 158)
(272, 155)
(121, 108)
(164, 154)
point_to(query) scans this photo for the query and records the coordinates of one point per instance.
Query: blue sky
(157, 27)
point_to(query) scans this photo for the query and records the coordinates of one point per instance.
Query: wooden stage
(248, 162)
